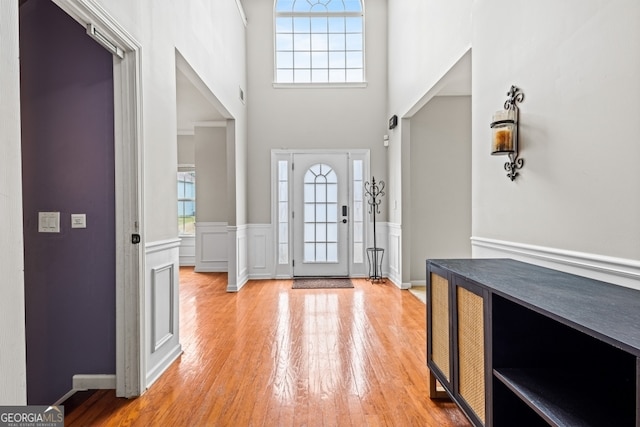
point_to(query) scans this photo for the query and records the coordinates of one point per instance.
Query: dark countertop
(606, 311)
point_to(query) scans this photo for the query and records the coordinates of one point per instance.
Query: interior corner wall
(440, 182)
(311, 118)
(211, 36)
(211, 174)
(13, 388)
(425, 38)
(579, 127)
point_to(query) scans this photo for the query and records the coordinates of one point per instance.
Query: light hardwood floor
(270, 355)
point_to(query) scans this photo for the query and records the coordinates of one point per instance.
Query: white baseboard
(155, 373)
(94, 382)
(620, 271)
(83, 382)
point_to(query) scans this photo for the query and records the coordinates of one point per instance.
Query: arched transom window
(319, 41)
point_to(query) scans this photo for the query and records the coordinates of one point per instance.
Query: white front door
(320, 215)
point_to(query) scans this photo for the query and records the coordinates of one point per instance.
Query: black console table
(514, 344)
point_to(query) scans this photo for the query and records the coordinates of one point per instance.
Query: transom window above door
(319, 41)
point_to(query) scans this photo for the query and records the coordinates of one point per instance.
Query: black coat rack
(374, 192)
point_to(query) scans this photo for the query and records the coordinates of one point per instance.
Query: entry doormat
(322, 283)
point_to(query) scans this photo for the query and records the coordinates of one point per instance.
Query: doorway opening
(116, 107)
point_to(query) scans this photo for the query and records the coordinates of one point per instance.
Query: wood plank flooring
(270, 355)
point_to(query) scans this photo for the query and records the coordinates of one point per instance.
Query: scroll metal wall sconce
(505, 132)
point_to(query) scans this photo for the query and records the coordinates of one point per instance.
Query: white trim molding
(243, 15)
(83, 382)
(620, 271)
(238, 256)
(13, 369)
(162, 303)
(94, 382)
(261, 251)
(394, 258)
(127, 80)
(212, 254)
(161, 245)
(187, 250)
(161, 308)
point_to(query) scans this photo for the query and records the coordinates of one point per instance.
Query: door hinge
(293, 263)
(293, 214)
(292, 166)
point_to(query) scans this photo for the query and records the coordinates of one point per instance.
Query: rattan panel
(471, 376)
(440, 323)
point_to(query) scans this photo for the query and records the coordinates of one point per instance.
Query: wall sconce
(505, 132)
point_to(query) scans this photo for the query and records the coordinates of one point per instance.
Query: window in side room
(187, 202)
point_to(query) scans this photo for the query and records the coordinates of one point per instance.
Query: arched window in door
(320, 214)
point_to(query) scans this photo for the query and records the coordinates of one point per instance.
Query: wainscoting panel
(187, 250)
(261, 251)
(242, 254)
(238, 271)
(162, 337)
(395, 254)
(620, 271)
(212, 252)
(162, 293)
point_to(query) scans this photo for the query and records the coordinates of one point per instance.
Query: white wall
(216, 50)
(13, 387)
(186, 150)
(578, 68)
(341, 118)
(575, 204)
(211, 174)
(426, 38)
(440, 202)
(211, 39)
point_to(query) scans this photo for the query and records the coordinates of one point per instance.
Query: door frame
(285, 270)
(129, 186)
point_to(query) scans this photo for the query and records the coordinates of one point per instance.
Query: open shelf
(563, 400)
(567, 377)
(560, 349)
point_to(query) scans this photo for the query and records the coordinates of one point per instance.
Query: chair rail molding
(620, 271)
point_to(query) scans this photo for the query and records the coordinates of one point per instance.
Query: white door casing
(129, 192)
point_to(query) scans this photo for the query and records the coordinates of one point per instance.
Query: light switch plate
(78, 220)
(48, 222)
